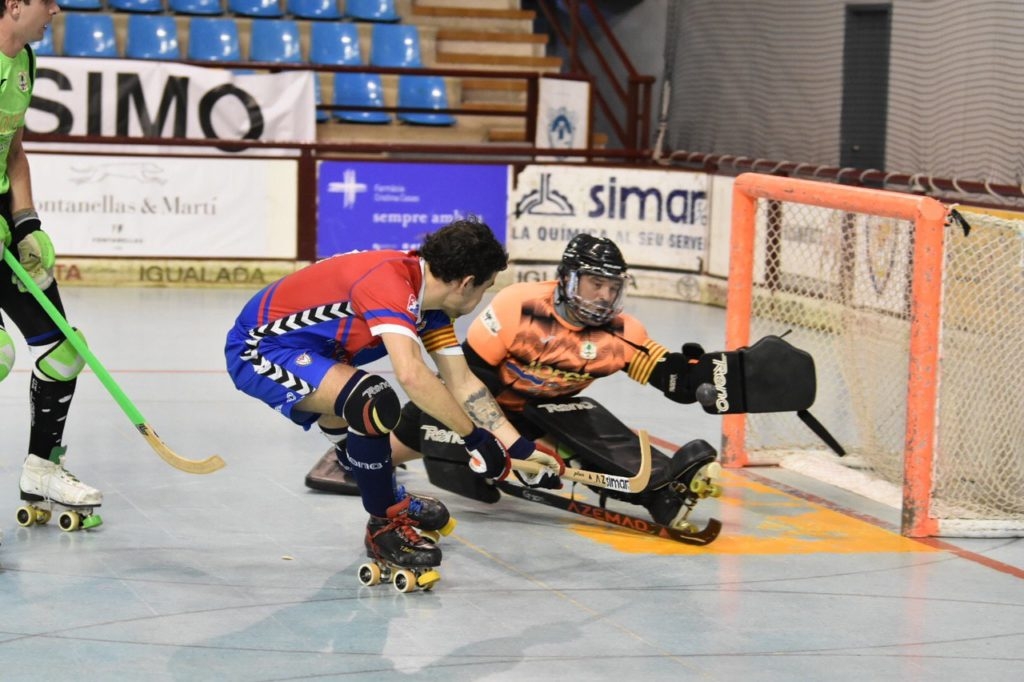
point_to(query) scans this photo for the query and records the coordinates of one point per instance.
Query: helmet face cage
(589, 255)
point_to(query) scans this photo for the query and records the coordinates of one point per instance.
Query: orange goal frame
(928, 217)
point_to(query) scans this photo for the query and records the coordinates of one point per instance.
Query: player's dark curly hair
(464, 248)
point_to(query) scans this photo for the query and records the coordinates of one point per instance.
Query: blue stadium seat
(423, 92)
(89, 35)
(152, 36)
(270, 9)
(360, 89)
(371, 10)
(80, 4)
(395, 45)
(334, 42)
(314, 9)
(196, 7)
(137, 6)
(213, 39)
(337, 43)
(275, 40)
(45, 47)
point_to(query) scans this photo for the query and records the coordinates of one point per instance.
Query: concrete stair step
(493, 61)
(493, 42)
(475, 18)
(493, 90)
(476, 4)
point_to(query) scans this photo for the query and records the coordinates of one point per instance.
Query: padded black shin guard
(50, 401)
(596, 437)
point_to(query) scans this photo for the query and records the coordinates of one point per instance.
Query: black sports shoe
(392, 540)
(427, 513)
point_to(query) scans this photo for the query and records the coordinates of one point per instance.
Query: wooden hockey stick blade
(191, 466)
(627, 484)
(188, 465)
(704, 536)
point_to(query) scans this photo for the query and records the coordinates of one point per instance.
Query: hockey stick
(704, 536)
(626, 484)
(205, 466)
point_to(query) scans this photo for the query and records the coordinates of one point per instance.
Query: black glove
(487, 456)
(672, 374)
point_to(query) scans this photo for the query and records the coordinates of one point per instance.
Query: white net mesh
(980, 455)
(841, 282)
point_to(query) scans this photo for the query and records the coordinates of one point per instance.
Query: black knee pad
(371, 407)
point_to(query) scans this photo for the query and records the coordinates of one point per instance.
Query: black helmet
(586, 254)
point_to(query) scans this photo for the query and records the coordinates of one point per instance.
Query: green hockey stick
(205, 466)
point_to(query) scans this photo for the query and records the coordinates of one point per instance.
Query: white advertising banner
(563, 120)
(658, 218)
(140, 98)
(167, 207)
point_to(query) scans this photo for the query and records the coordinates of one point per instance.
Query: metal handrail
(632, 129)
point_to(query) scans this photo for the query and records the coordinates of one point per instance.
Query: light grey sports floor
(245, 574)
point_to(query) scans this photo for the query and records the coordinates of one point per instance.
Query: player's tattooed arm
(483, 409)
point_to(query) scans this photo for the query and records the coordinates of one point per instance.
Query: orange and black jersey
(535, 353)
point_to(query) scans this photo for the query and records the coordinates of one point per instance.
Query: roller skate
(399, 555)
(696, 472)
(428, 515)
(49, 488)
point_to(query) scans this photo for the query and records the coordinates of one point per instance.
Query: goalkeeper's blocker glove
(487, 456)
(35, 250)
(554, 467)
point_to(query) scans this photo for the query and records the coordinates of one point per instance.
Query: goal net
(915, 323)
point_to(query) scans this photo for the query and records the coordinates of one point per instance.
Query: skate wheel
(69, 521)
(428, 579)
(449, 527)
(369, 574)
(431, 535)
(92, 521)
(42, 516)
(26, 516)
(703, 484)
(405, 580)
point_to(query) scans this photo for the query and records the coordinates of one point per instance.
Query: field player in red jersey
(298, 345)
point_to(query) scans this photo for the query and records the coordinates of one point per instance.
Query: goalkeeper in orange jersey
(535, 347)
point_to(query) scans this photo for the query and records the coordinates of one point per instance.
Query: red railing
(625, 100)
